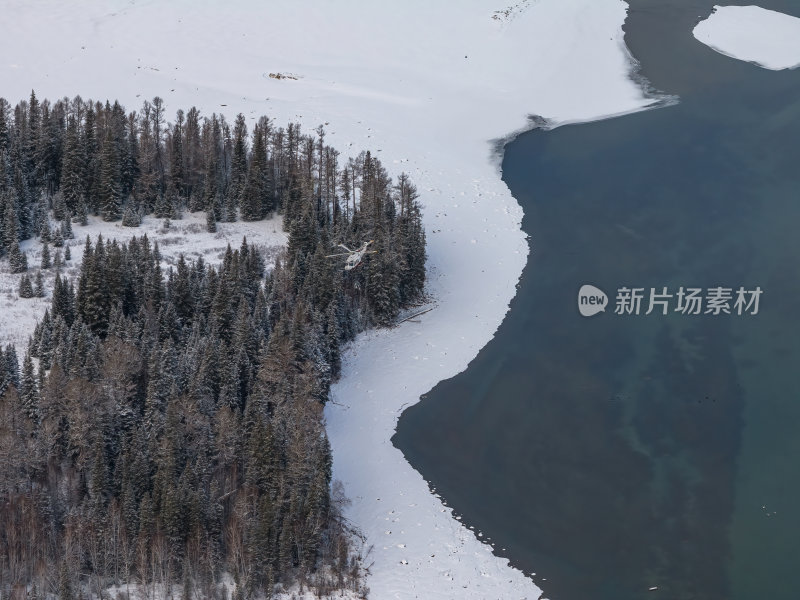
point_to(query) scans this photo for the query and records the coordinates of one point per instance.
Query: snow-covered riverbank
(427, 86)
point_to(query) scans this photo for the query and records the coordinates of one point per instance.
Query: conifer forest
(164, 426)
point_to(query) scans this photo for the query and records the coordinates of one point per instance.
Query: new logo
(591, 300)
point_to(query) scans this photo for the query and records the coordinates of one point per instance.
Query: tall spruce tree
(46, 264)
(25, 287)
(90, 156)
(73, 167)
(109, 189)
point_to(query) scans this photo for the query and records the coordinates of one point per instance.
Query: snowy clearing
(428, 87)
(186, 236)
(767, 38)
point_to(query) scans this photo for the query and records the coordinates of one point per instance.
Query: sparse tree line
(165, 427)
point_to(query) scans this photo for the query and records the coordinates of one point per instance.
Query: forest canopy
(165, 426)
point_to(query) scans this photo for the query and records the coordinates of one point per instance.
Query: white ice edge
(767, 38)
(426, 86)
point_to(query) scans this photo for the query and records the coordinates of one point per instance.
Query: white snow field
(765, 37)
(428, 86)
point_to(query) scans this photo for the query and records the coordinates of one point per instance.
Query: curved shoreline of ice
(425, 86)
(767, 38)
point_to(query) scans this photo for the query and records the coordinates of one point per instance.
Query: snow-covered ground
(429, 87)
(767, 38)
(186, 236)
(225, 587)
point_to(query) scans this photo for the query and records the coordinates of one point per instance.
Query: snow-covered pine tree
(228, 203)
(238, 158)
(63, 303)
(11, 226)
(91, 159)
(177, 169)
(59, 205)
(28, 390)
(109, 189)
(81, 215)
(17, 260)
(46, 264)
(30, 142)
(9, 370)
(25, 287)
(38, 289)
(4, 127)
(255, 199)
(66, 228)
(130, 216)
(73, 167)
(211, 221)
(44, 231)
(93, 303)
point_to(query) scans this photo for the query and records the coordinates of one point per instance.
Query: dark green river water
(616, 453)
